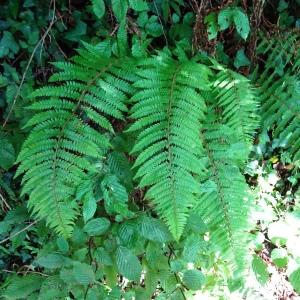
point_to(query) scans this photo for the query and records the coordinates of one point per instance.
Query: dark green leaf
(97, 226)
(241, 60)
(51, 261)
(128, 264)
(7, 152)
(83, 273)
(22, 287)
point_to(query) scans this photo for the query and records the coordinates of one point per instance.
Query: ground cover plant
(150, 149)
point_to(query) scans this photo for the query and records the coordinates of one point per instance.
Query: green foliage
(63, 146)
(128, 264)
(260, 269)
(147, 168)
(193, 279)
(236, 16)
(98, 8)
(7, 152)
(295, 280)
(22, 287)
(168, 145)
(279, 87)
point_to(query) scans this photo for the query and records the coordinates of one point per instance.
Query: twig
(4, 201)
(162, 26)
(25, 272)
(17, 233)
(53, 21)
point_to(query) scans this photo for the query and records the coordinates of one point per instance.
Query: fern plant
(71, 132)
(169, 110)
(193, 121)
(225, 200)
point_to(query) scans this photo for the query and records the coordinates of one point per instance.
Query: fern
(192, 123)
(225, 201)
(168, 110)
(238, 102)
(280, 91)
(71, 132)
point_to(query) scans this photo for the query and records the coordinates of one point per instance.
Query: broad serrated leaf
(22, 287)
(97, 226)
(51, 261)
(260, 269)
(83, 273)
(89, 207)
(62, 244)
(128, 264)
(193, 247)
(52, 288)
(154, 230)
(103, 257)
(294, 279)
(98, 8)
(193, 279)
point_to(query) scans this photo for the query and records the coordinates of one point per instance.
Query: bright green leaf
(89, 207)
(154, 230)
(241, 60)
(119, 8)
(294, 279)
(279, 257)
(225, 18)
(98, 8)
(212, 25)
(241, 22)
(260, 270)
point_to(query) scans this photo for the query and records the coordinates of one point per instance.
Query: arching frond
(71, 132)
(168, 110)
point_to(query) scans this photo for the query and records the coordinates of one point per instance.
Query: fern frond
(280, 91)
(168, 110)
(238, 103)
(225, 201)
(224, 204)
(70, 132)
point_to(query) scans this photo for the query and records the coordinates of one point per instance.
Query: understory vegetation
(150, 149)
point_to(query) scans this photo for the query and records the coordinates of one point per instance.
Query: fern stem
(218, 182)
(170, 154)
